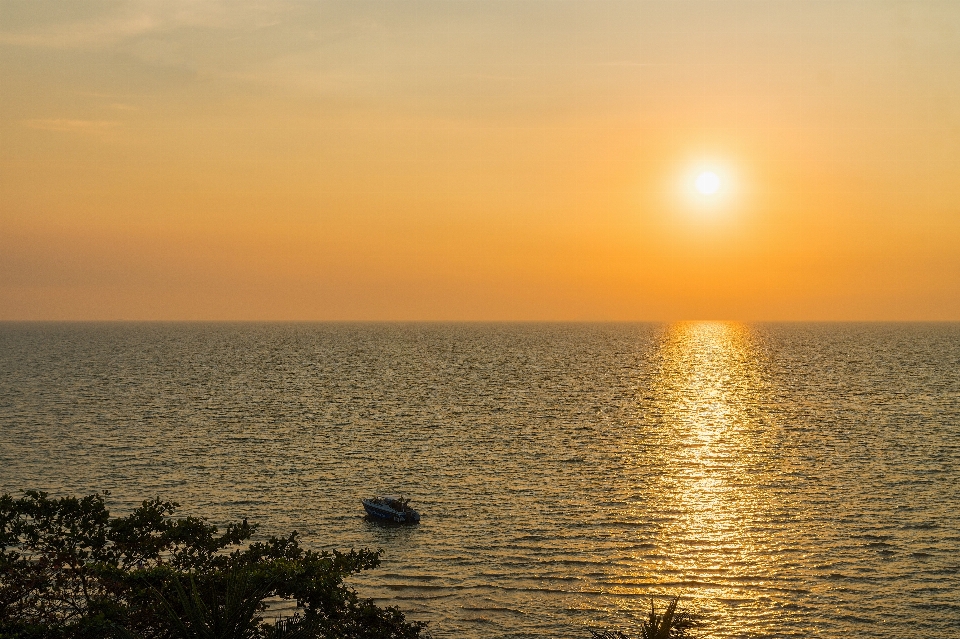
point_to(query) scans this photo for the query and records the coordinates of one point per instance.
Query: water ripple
(791, 480)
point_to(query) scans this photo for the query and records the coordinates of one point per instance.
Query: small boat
(390, 508)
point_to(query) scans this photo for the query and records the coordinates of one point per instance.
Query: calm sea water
(789, 480)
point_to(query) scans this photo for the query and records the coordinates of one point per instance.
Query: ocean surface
(789, 480)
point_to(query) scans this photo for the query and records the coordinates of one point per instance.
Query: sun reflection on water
(708, 385)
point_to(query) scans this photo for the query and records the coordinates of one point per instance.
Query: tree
(68, 570)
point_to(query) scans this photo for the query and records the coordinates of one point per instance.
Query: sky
(531, 160)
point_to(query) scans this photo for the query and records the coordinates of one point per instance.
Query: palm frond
(670, 624)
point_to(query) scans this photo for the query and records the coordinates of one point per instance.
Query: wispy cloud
(73, 126)
(82, 34)
(136, 19)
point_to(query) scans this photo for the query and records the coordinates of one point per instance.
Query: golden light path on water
(708, 386)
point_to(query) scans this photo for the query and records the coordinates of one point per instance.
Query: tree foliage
(68, 570)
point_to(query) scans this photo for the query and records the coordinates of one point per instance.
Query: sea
(785, 480)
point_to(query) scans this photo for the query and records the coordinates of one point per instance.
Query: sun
(706, 187)
(707, 183)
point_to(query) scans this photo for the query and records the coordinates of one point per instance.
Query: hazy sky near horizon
(491, 160)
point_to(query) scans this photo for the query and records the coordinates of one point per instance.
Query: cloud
(135, 19)
(82, 34)
(73, 126)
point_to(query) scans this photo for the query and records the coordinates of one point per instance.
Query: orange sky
(479, 160)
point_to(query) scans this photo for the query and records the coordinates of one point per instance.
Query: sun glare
(708, 187)
(708, 183)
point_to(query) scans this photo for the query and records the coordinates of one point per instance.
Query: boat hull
(384, 512)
